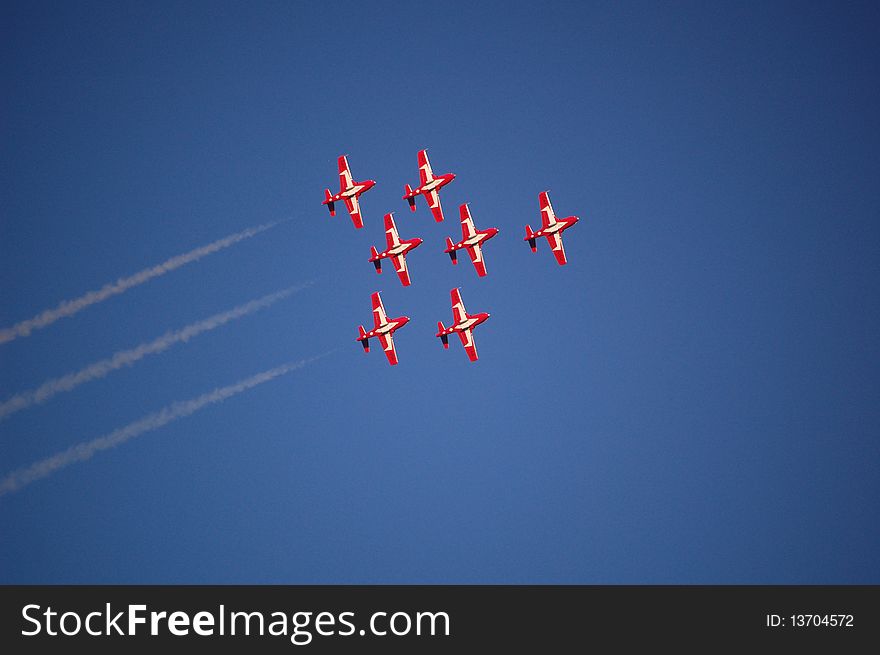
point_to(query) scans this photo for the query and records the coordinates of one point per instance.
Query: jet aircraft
(429, 187)
(551, 227)
(349, 191)
(463, 324)
(471, 239)
(383, 329)
(396, 250)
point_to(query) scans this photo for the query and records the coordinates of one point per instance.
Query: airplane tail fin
(449, 248)
(410, 198)
(327, 201)
(530, 237)
(443, 337)
(362, 338)
(374, 257)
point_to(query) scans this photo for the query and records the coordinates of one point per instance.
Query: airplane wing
(434, 203)
(387, 342)
(459, 313)
(555, 241)
(354, 208)
(425, 172)
(548, 217)
(400, 267)
(467, 223)
(379, 316)
(476, 253)
(344, 174)
(467, 340)
(391, 236)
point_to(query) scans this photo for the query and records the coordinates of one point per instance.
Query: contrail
(128, 357)
(83, 451)
(71, 307)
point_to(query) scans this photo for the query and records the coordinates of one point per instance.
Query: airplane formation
(472, 241)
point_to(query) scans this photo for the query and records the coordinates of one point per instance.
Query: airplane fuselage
(560, 225)
(433, 184)
(355, 190)
(387, 327)
(472, 321)
(553, 229)
(352, 191)
(474, 240)
(436, 183)
(400, 249)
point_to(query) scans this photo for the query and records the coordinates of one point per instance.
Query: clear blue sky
(693, 399)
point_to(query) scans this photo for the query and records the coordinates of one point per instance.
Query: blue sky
(692, 399)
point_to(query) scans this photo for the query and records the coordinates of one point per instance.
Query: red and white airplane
(383, 328)
(396, 250)
(349, 190)
(464, 324)
(472, 239)
(551, 227)
(429, 187)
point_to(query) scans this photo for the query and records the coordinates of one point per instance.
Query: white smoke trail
(128, 357)
(85, 450)
(71, 307)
